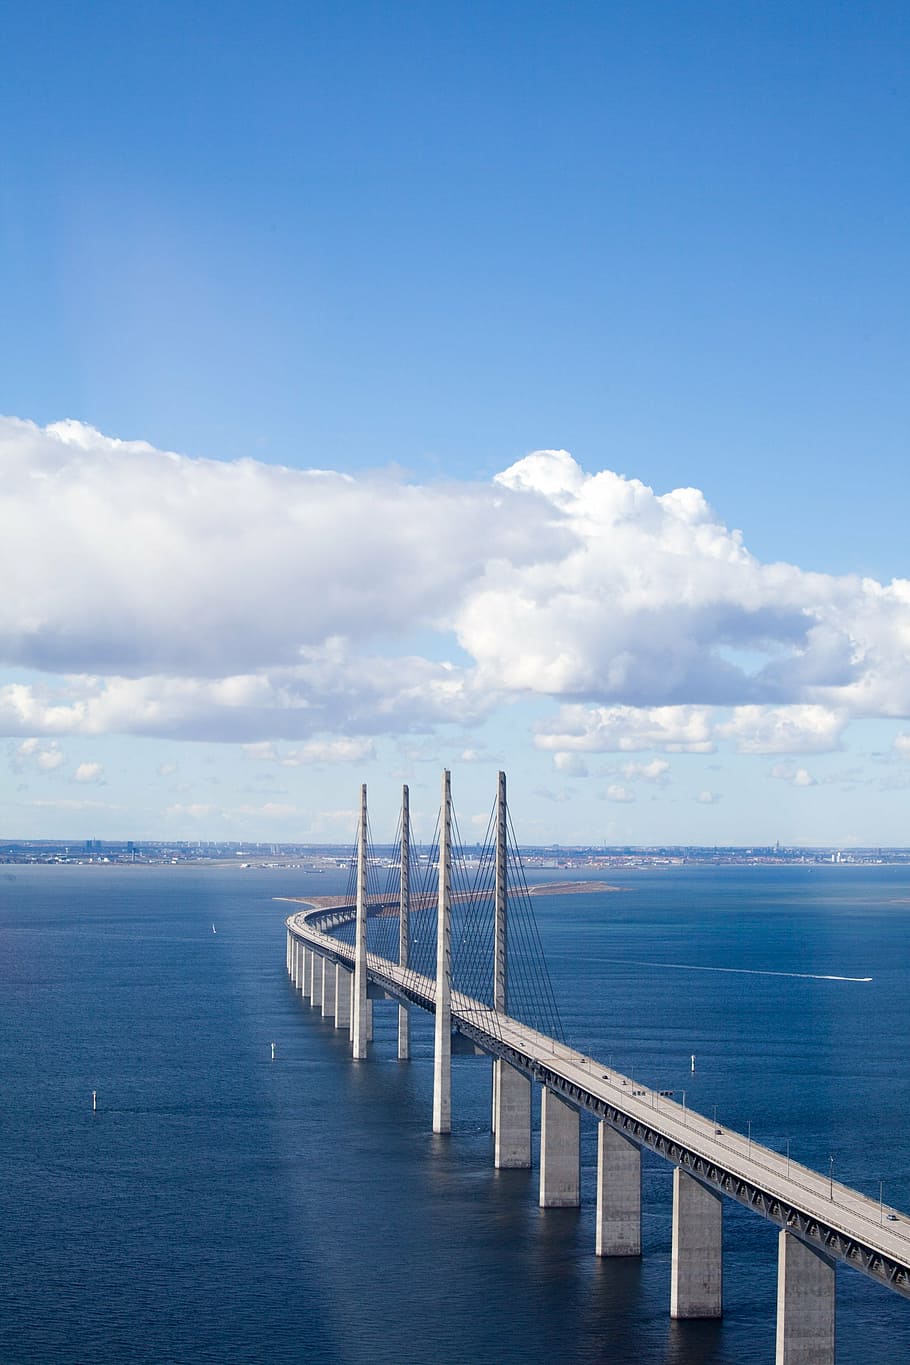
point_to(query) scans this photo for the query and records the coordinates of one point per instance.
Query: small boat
(214, 930)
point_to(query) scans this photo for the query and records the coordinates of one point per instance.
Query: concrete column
(342, 997)
(369, 1019)
(500, 979)
(618, 1224)
(290, 940)
(299, 951)
(316, 981)
(805, 1303)
(500, 906)
(696, 1272)
(442, 1051)
(494, 1108)
(560, 1153)
(305, 956)
(512, 1091)
(404, 921)
(328, 990)
(359, 1001)
(308, 968)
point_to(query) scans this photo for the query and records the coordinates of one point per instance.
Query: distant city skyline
(523, 390)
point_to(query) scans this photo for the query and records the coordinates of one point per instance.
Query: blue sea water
(224, 1207)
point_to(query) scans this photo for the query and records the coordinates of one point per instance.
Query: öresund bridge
(486, 985)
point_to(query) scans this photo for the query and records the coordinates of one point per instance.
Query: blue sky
(411, 246)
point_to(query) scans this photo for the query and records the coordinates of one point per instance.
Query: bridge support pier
(368, 1016)
(618, 1221)
(316, 981)
(328, 989)
(342, 997)
(306, 985)
(560, 1153)
(287, 955)
(696, 1275)
(512, 1100)
(805, 1303)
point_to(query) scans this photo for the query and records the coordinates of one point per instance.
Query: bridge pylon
(511, 1087)
(359, 1006)
(442, 1051)
(404, 920)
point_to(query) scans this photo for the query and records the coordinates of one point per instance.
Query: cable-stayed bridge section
(463, 946)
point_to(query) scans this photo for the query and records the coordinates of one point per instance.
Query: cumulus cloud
(619, 729)
(902, 744)
(163, 595)
(35, 753)
(340, 750)
(571, 764)
(658, 603)
(655, 771)
(330, 690)
(89, 772)
(797, 777)
(617, 792)
(708, 798)
(133, 561)
(784, 729)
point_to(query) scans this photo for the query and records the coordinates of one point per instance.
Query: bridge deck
(844, 1223)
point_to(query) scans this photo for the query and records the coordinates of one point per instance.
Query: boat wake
(739, 971)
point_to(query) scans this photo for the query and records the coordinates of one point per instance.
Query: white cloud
(784, 729)
(89, 772)
(219, 569)
(797, 777)
(616, 792)
(902, 744)
(655, 771)
(249, 603)
(657, 603)
(36, 753)
(708, 798)
(626, 729)
(340, 750)
(329, 690)
(571, 764)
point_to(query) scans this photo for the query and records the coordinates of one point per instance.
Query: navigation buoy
(273, 1052)
(94, 1101)
(693, 1061)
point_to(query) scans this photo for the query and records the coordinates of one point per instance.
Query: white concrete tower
(359, 1021)
(511, 1089)
(442, 1056)
(404, 922)
(500, 989)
